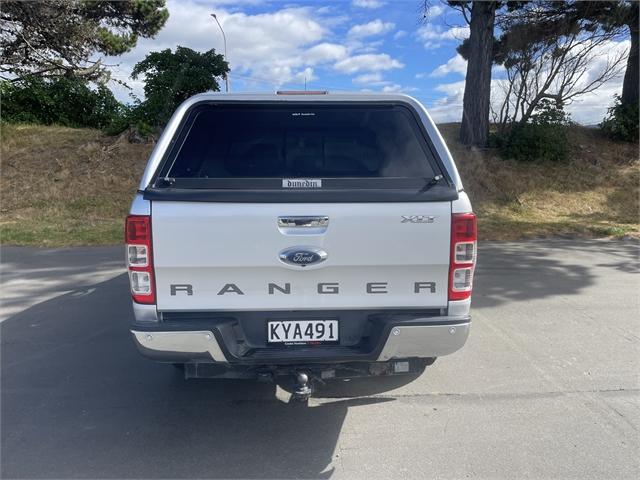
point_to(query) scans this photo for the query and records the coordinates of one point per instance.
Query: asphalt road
(547, 386)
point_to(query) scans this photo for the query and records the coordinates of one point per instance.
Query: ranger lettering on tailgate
(370, 288)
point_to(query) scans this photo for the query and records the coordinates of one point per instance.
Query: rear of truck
(317, 233)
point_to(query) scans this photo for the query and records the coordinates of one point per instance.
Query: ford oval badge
(302, 256)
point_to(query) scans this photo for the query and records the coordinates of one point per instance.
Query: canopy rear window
(327, 147)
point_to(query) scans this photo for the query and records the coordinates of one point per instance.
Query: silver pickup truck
(304, 234)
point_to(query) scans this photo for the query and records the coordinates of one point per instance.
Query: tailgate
(226, 256)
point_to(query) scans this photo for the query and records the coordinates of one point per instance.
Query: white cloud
(432, 36)
(395, 88)
(606, 52)
(268, 49)
(449, 107)
(399, 34)
(369, 79)
(375, 27)
(432, 45)
(324, 52)
(390, 88)
(435, 11)
(455, 64)
(375, 82)
(368, 3)
(270, 37)
(366, 47)
(591, 108)
(265, 50)
(455, 89)
(306, 75)
(367, 63)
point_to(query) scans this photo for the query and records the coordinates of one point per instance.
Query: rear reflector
(140, 282)
(139, 258)
(462, 279)
(464, 244)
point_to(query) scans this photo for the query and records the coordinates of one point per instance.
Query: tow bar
(302, 390)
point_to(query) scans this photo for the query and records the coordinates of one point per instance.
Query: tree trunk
(631, 81)
(477, 88)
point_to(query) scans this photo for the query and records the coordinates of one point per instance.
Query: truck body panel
(374, 258)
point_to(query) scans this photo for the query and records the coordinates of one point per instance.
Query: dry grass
(63, 186)
(596, 193)
(66, 186)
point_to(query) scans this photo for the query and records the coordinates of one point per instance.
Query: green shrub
(120, 122)
(622, 121)
(64, 101)
(171, 77)
(544, 137)
(135, 118)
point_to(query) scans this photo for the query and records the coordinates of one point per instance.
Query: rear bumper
(416, 338)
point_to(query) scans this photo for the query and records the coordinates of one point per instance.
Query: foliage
(560, 68)
(53, 38)
(172, 77)
(530, 23)
(524, 22)
(544, 137)
(63, 101)
(526, 35)
(622, 121)
(133, 118)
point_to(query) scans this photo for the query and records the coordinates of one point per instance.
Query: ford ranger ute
(303, 234)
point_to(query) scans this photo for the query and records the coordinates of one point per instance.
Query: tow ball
(302, 390)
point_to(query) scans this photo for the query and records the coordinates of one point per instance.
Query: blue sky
(340, 45)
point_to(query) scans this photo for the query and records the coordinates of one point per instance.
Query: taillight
(464, 246)
(139, 258)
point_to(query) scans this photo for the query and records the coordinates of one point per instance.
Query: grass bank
(61, 186)
(64, 186)
(596, 193)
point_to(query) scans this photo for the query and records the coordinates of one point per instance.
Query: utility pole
(224, 39)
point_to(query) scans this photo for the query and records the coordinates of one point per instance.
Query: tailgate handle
(303, 222)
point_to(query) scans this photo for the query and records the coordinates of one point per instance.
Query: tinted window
(301, 141)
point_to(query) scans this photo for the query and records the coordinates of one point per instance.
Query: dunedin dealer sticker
(301, 183)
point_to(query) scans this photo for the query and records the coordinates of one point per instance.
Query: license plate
(302, 332)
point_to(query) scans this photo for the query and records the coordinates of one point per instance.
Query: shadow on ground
(509, 271)
(79, 401)
(29, 274)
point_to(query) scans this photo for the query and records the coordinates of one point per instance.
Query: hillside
(64, 186)
(595, 193)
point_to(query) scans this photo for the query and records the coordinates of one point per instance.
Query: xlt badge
(302, 256)
(419, 218)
